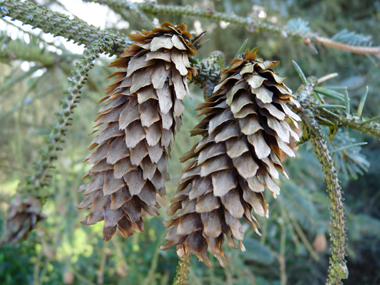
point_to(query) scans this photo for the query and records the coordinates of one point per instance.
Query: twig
(44, 270)
(208, 280)
(100, 272)
(36, 268)
(303, 238)
(229, 277)
(281, 257)
(182, 270)
(153, 266)
(211, 273)
(338, 268)
(367, 126)
(294, 236)
(33, 35)
(119, 251)
(350, 48)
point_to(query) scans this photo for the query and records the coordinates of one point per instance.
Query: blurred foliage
(61, 251)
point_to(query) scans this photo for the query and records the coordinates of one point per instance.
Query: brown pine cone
(144, 108)
(244, 132)
(24, 213)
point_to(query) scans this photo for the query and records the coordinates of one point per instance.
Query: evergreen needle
(242, 48)
(329, 93)
(329, 106)
(300, 72)
(371, 120)
(349, 146)
(347, 99)
(362, 102)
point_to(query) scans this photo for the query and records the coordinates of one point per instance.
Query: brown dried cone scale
(144, 108)
(244, 132)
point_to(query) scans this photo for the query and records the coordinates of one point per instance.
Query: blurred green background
(294, 241)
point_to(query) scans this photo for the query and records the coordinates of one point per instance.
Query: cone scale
(245, 130)
(136, 126)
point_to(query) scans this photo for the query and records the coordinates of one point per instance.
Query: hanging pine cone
(24, 213)
(144, 108)
(244, 132)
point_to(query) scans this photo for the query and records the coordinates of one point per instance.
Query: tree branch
(182, 270)
(18, 49)
(59, 24)
(367, 126)
(350, 48)
(338, 269)
(252, 24)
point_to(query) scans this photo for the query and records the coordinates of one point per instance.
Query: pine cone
(244, 132)
(144, 108)
(24, 213)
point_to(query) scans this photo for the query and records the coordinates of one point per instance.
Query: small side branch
(182, 270)
(369, 126)
(350, 48)
(338, 268)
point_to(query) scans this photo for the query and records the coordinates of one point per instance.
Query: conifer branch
(208, 72)
(346, 47)
(252, 24)
(338, 268)
(366, 126)
(59, 24)
(32, 34)
(25, 211)
(80, 32)
(182, 270)
(18, 49)
(333, 117)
